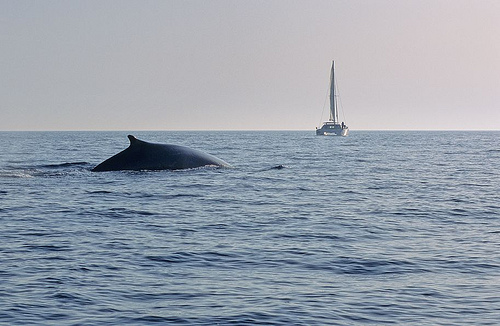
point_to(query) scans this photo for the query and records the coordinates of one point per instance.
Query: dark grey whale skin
(141, 155)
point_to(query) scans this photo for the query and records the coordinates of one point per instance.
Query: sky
(248, 64)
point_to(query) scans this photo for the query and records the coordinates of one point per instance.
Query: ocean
(380, 227)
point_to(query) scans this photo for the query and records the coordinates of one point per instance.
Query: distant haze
(253, 65)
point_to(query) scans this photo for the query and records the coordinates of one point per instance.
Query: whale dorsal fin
(132, 139)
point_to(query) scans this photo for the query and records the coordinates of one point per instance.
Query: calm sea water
(376, 228)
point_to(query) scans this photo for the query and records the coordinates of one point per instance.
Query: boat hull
(332, 130)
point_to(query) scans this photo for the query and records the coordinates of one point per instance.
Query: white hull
(332, 130)
(343, 133)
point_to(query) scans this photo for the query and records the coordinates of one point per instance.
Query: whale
(142, 155)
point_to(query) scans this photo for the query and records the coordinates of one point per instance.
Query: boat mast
(333, 97)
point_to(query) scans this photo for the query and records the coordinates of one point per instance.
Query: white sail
(333, 98)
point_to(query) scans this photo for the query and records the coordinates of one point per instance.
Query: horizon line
(229, 130)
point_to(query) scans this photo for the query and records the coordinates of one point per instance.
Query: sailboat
(332, 127)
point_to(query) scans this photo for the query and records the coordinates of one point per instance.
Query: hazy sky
(229, 64)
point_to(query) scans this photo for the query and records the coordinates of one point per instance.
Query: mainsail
(334, 115)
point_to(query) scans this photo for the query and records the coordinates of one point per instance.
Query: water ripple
(402, 230)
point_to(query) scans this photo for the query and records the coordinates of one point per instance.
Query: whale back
(142, 155)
